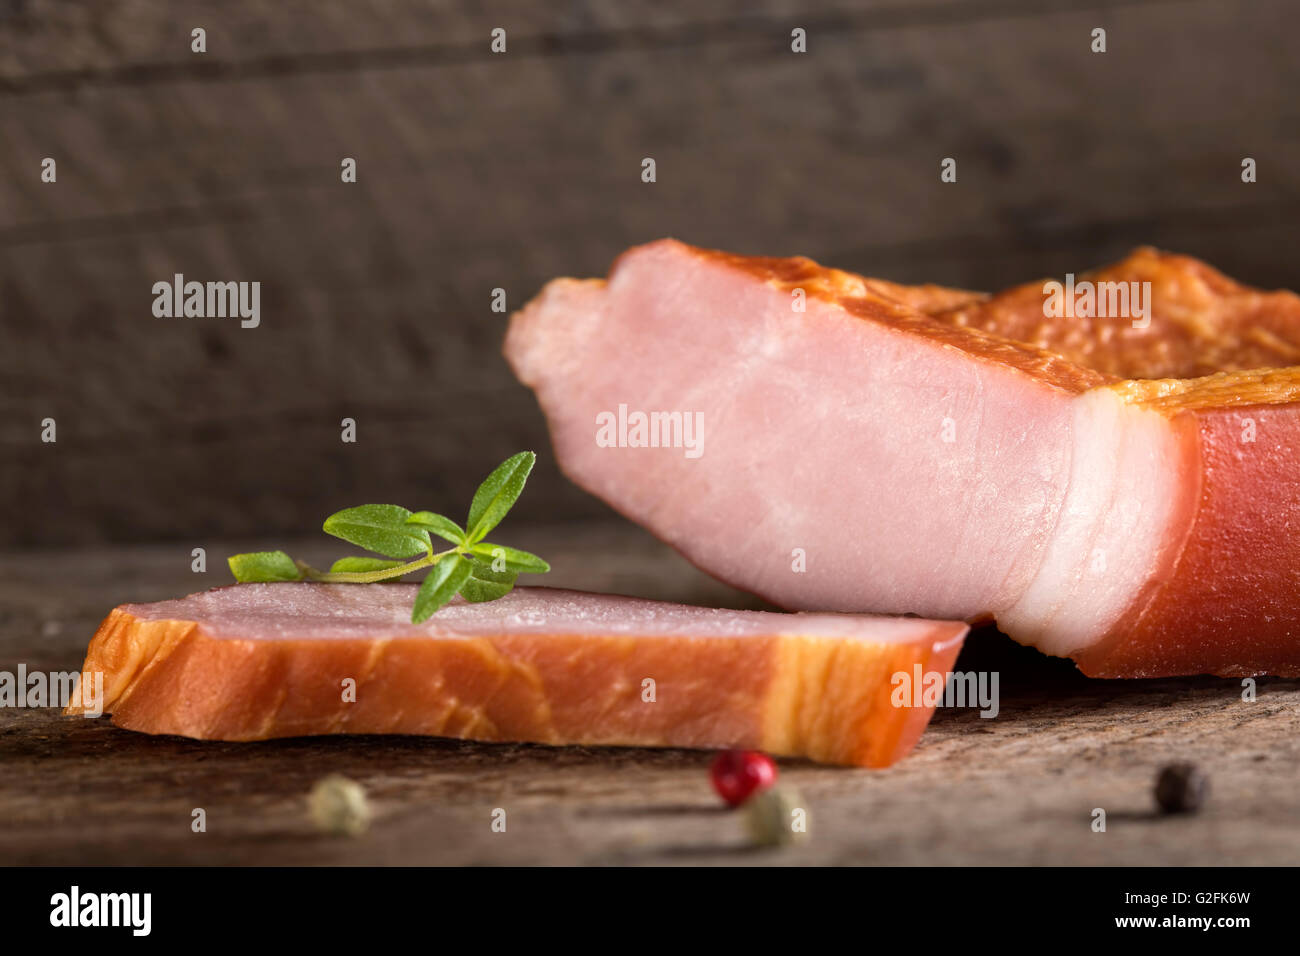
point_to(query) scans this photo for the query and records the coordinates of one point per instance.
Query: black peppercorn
(1181, 788)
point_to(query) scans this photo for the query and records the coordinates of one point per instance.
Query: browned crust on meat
(1202, 322)
(1261, 386)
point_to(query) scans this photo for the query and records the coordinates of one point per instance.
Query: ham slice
(1123, 495)
(256, 661)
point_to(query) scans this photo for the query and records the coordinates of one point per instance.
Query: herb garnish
(476, 569)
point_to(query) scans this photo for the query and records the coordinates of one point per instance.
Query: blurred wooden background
(478, 170)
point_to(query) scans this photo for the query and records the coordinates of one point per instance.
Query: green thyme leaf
(483, 572)
(379, 528)
(497, 555)
(262, 566)
(476, 569)
(477, 592)
(485, 584)
(437, 524)
(440, 586)
(362, 565)
(499, 491)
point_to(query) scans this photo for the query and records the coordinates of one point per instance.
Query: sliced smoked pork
(256, 661)
(1124, 493)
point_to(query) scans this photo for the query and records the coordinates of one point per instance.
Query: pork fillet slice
(256, 661)
(838, 443)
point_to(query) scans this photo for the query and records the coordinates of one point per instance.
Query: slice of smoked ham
(1127, 497)
(256, 661)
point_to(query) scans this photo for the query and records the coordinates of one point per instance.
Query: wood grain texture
(479, 171)
(1019, 788)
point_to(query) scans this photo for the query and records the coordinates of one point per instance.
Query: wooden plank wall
(479, 170)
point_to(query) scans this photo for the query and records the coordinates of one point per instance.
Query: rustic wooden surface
(1016, 789)
(479, 171)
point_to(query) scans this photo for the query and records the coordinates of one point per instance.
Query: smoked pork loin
(1119, 490)
(257, 661)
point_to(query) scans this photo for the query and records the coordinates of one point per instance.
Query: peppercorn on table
(1022, 787)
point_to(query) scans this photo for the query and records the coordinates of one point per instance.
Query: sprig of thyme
(478, 570)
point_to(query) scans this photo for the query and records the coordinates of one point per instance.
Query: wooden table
(1019, 788)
